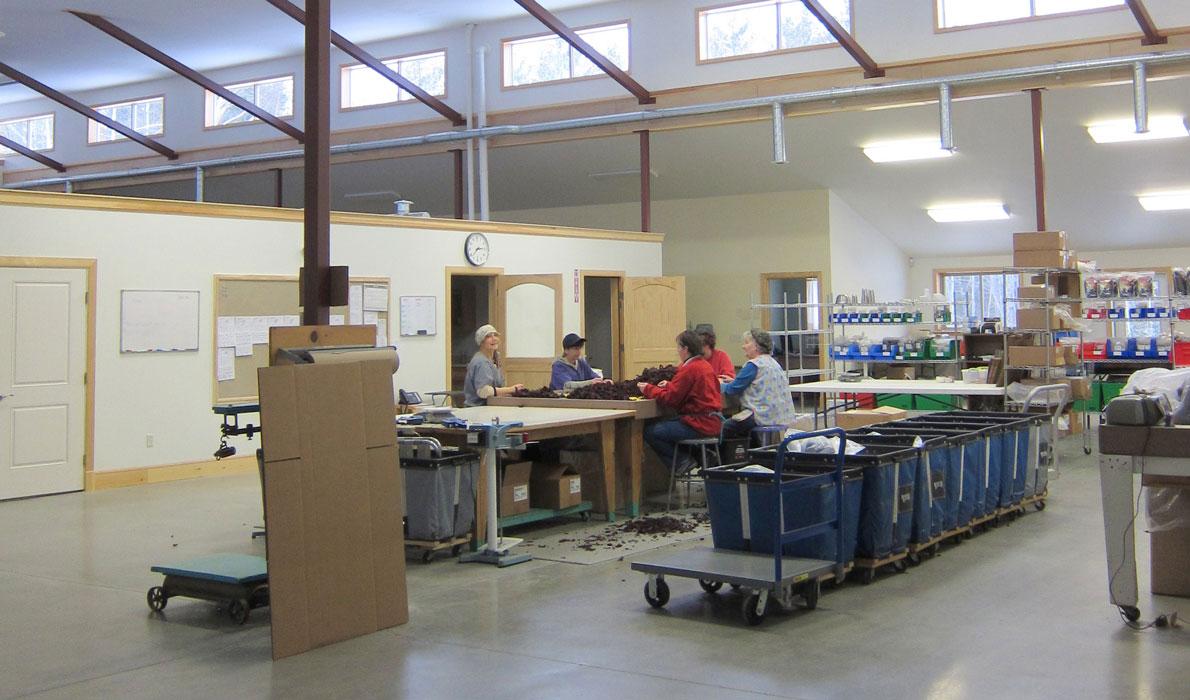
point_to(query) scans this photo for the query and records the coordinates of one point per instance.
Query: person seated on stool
(572, 370)
(763, 388)
(484, 377)
(693, 393)
(719, 360)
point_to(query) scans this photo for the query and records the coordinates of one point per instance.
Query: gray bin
(440, 495)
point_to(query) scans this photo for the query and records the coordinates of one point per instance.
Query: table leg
(1116, 484)
(607, 439)
(481, 503)
(630, 451)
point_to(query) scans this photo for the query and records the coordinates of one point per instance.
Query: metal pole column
(317, 254)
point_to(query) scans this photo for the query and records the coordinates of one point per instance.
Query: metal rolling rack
(1048, 334)
(788, 335)
(1117, 312)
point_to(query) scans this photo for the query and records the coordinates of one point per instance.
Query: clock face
(477, 249)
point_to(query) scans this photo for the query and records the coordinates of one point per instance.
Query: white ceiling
(44, 41)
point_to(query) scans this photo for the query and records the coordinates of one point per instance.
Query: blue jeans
(664, 435)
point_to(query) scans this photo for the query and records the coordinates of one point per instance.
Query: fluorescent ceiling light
(1166, 126)
(970, 211)
(906, 149)
(1165, 201)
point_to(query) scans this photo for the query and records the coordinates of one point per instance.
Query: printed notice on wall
(419, 315)
(355, 304)
(225, 364)
(375, 298)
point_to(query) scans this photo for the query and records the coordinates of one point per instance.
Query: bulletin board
(276, 296)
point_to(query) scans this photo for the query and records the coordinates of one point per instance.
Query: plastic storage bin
(972, 458)
(440, 495)
(1027, 428)
(943, 460)
(994, 442)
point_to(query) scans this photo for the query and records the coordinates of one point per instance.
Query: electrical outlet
(149, 440)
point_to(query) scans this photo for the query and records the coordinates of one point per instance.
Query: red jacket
(721, 363)
(694, 394)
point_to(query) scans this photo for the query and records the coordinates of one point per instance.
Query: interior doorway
(602, 299)
(471, 302)
(795, 321)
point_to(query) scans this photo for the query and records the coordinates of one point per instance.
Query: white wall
(663, 57)
(169, 394)
(864, 258)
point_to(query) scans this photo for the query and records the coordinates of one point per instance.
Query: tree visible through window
(962, 13)
(274, 95)
(762, 27)
(146, 117)
(34, 133)
(546, 58)
(980, 296)
(361, 86)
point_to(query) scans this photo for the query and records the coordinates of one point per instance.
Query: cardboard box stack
(1041, 249)
(858, 418)
(514, 491)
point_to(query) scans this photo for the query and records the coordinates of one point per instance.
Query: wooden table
(630, 443)
(545, 423)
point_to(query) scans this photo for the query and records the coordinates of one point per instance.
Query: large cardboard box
(555, 486)
(1169, 546)
(336, 552)
(1039, 240)
(899, 372)
(515, 489)
(858, 418)
(1062, 259)
(1031, 292)
(1038, 319)
(1035, 356)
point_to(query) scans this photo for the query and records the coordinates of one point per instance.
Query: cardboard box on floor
(1169, 545)
(336, 552)
(858, 418)
(515, 489)
(555, 486)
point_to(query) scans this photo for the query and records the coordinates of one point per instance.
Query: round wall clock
(477, 249)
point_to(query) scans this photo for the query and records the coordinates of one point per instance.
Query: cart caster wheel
(259, 597)
(237, 610)
(900, 566)
(750, 615)
(956, 540)
(662, 594)
(913, 558)
(995, 522)
(710, 586)
(585, 516)
(734, 586)
(456, 550)
(1040, 505)
(1086, 450)
(1130, 612)
(866, 576)
(427, 556)
(157, 598)
(934, 549)
(810, 592)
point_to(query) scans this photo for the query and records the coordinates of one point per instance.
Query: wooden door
(654, 315)
(42, 385)
(529, 309)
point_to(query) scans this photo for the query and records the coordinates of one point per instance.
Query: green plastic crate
(904, 401)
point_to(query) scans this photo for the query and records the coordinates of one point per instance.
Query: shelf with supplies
(935, 339)
(800, 352)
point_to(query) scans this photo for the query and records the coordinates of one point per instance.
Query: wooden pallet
(868, 567)
(431, 547)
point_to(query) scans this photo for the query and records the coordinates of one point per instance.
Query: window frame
(121, 138)
(699, 60)
(596, 76)
(445, 79)
(939, 29)
(940, 275)
(4, 151)
(207, 95)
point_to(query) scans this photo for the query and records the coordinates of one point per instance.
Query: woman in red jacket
(693, 393)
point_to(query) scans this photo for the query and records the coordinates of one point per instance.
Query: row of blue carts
(799, 520)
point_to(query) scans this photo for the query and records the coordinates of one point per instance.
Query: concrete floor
(1020, 611)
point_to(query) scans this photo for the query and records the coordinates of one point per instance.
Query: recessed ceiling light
(906, 149)
(968, 211)
(1165, 201)
(1165, 126)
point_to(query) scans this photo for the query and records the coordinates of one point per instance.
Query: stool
(766, 435)
(697, 449)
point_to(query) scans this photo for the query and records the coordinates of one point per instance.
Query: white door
(43, 352)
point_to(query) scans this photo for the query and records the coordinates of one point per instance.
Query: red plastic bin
(1181, 353)
(1094, 350)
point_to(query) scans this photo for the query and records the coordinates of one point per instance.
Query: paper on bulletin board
(375, 298)
(371, 318)
(337, 319)
(225, 331)
(260, 330)
(419, 315)
(225, 364)
(243, 331)
(355, 304)
(243, 349)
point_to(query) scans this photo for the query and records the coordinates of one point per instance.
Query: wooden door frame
(89, 266)
(546, 280)
(617, 312)
(450, 272)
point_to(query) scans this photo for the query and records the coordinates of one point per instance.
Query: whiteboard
(419, 315)
(158, 320)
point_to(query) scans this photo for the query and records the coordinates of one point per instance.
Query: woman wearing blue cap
(572, 370)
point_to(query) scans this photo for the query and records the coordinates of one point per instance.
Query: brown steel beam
(67, 101)
(278, 188)
(32, 154)
(571, 37)
(316, 308)
(1152, 34)
(189, 73)
(460, 185)
(1038, 156)
(377, 65)
(848, 42)
(646, 189)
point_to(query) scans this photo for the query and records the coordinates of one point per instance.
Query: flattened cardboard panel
(388, 538)
(280, 413)
(379, 406)
(286, 555)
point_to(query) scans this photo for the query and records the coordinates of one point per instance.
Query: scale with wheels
(493, 437)
(241, 581)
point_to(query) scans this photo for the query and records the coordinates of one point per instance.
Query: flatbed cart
(241, 581)
(762, 577)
